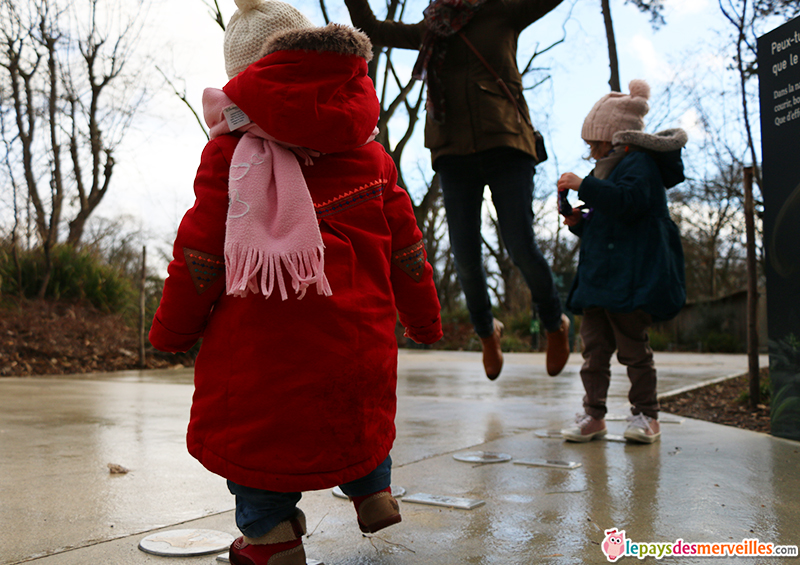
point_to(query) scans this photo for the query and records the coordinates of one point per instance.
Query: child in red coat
(292, 266)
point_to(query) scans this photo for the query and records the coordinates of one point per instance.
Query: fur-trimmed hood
(661, 142)
(311, 89)
(336, 38)
(665, 147)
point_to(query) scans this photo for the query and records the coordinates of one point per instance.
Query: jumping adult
(479, 132)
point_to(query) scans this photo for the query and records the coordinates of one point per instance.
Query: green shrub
(77, 274)
(719, 342)
(764, 392)
(660, 341)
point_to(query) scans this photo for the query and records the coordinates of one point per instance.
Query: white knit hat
(617, 112)
(251, 25)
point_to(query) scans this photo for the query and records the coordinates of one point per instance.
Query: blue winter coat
(631, 256)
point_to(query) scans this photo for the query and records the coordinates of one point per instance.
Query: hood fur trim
(661, 142)
(337, 38)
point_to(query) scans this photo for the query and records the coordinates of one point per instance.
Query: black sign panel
(779, 88)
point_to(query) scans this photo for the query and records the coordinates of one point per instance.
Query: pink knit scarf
(272, 226)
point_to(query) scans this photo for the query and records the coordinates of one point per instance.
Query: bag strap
(497, 79)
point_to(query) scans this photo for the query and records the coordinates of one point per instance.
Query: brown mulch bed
(726, 403)
(51, 338)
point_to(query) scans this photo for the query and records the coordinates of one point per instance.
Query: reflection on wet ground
(703, 482)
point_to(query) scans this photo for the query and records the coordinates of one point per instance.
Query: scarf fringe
(254, 270)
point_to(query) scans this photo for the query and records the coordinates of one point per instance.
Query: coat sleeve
(523, 13)
(627, 197)
(196, 275)
(387, 33)
(412, 276)
(577, 229)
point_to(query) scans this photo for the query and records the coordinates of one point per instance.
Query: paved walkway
(703, 482)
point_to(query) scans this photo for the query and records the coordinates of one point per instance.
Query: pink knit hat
(617, 112)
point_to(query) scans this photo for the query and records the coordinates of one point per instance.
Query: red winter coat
(299, 395)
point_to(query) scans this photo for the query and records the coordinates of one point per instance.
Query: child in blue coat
(631, 269)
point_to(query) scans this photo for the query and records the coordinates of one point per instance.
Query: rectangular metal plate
(446, 501)
(223, 558)
(548, 463)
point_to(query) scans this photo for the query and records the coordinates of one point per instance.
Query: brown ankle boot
(492, 354)
(283, 545)
(558, 348)
(377, 511)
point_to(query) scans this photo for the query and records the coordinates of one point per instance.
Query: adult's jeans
(258, 511)
(509, 175)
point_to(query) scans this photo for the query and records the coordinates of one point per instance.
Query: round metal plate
(482, 457)
(183, 543)
(397, 492)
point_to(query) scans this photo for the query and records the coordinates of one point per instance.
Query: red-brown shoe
(282, 545)
(377, 511)
(492, 354)
(558, 348)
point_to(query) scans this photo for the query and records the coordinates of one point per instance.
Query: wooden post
(752, 290)
(142, 303)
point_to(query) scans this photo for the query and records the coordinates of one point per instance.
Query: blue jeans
(259, 511)
(509, 174)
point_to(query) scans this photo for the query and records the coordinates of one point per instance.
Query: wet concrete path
(702, 483)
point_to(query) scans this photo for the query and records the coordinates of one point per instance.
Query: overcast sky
(153, 184)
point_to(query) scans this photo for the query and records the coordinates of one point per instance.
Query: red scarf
(443, 19)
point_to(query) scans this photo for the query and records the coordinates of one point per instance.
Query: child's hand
(573, 219)
(569, 181)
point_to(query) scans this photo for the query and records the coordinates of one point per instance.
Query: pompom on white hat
(617, 112)
(251, 25)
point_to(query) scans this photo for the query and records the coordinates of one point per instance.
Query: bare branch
(185, 100)
(216, 13)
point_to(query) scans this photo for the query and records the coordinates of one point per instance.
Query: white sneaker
(587, 428)
(643, 429)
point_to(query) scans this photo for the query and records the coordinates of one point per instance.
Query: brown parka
(479, 115)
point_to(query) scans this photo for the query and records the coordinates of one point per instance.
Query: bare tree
(71, 96)
(710, 205)
(653, 7)
(749, 19)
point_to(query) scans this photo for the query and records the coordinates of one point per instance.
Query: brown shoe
(492, 354)
(377, 511)
(558, 348)
(283, 545)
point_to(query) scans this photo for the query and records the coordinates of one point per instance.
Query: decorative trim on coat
(204, 268)
(411, 260)
(350, 199)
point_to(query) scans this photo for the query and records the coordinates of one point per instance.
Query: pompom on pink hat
(617, 112)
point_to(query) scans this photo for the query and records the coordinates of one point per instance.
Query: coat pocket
(497, 113)
(435, 134)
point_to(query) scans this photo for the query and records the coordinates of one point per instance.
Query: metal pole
(142, 301)
(752, 290)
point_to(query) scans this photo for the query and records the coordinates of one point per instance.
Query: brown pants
(604, 332)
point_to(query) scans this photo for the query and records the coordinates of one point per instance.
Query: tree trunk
(48, 270)
(613, 61)
(752, 291)
(76, 227)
